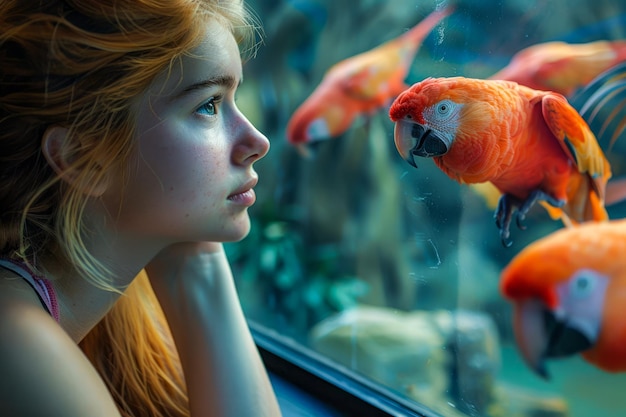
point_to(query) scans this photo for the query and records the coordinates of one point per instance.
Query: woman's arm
(223, 370)
(42, 371)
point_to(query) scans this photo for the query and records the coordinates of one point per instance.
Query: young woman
(122, 158)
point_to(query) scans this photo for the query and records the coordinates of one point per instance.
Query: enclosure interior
(386, 269)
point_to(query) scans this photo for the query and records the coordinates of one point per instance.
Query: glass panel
(395, 271)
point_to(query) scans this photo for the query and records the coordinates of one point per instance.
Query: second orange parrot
(530, 144)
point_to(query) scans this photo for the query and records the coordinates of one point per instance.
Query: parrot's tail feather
(584, 203)
(613, 74)
(567, 221)
(602, 103)
(615, 191)
(555, 213)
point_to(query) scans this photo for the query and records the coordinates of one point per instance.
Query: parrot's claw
(526, 206)
(508, 204)
(503, 215)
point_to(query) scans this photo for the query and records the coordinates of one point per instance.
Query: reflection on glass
(395, 270)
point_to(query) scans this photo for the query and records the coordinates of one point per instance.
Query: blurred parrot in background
(531, 145)
(562, 67)
(568, 291)
(359, 85)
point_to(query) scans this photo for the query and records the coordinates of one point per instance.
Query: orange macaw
(359, 85)
(568, 291)
(531, 145)
(562, 67)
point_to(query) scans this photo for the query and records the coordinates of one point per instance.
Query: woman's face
(192, 174)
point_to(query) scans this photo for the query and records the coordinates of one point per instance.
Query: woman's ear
(52, 146)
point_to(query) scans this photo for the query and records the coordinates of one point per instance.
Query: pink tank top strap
(41, 285)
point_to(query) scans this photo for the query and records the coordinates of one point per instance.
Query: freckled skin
(188, 160)
(515, 138)
(540, 267)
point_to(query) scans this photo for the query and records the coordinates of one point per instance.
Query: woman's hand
(196, 272)
(169, 260)
(182, 263)
(223, 370)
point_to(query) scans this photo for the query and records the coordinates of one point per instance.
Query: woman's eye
(209, 108)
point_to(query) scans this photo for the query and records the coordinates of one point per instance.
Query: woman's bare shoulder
(43, 370)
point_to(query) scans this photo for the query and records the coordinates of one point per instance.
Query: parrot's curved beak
(304, 150)
(413, 139)
(541, 335)
(310, 148)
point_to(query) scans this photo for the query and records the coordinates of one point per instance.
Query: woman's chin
(238, 231)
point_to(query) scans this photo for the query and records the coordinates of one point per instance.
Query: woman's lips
(246, 198)
(245, 195)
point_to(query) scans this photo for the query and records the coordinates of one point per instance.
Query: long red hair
(81, 64)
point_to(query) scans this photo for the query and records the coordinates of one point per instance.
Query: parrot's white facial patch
(444, 117)
(582, 301)
(317, 130)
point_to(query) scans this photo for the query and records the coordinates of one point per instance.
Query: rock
(438, 358)
(446, 360)
(391, 347)
(473, 348)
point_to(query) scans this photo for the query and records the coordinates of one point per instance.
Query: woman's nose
(251, 145)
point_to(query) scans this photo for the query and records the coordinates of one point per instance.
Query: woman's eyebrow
(225, 81)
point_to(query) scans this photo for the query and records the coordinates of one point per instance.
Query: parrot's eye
(444, 107)
(583, 283)
(443, 115)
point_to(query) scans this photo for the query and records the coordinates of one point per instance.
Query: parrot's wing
(367, 78)
(576, 139)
